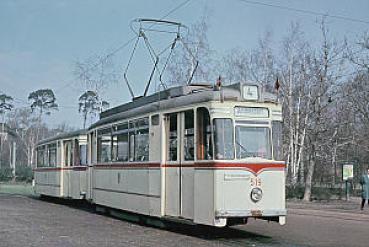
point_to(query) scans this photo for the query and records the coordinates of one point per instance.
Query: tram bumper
(278, 215)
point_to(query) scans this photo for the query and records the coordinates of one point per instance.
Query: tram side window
(131, 140)
(204, 142)
(142, 140)
(172, 139)
(223, 139)
(92, 147)
(52, 155)
(104, 145)
(114, 148)
(41, 156)
(68, 153)
(77, 153)
(121, 143)
(189, 147)
(83, 154)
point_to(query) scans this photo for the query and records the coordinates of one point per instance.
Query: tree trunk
(334, 163)
(84, 120)
(302, 173)
(29, 163)
(309, 177)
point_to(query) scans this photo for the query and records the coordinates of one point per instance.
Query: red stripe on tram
(126, 165)
(54, 169)
(252, 167)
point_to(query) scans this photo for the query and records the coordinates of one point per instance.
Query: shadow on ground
(226, 235)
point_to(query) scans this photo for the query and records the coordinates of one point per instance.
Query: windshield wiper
(243, 148)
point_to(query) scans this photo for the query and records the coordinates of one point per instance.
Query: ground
(30, 221)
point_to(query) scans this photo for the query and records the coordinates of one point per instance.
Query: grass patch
(16, 188)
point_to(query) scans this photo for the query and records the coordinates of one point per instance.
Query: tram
(198, 153)
(62, 165)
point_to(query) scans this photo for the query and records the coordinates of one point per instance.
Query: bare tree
(360, 56)
(27, 126)
(294, 71)
(327, 69)
(184, 60)
(95, 74)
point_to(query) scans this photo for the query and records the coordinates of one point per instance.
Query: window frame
(101, 132)
(132, 128)
(52, 146)
(197, 135)
(232, 126)
(269, 139)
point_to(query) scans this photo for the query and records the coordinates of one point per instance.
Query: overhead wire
(305, 11)
(125, 44)
(106, 57)
(133, 38)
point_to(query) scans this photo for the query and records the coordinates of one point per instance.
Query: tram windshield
(253, 142)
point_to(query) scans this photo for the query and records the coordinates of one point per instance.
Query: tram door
(179, 160)
(68, 159)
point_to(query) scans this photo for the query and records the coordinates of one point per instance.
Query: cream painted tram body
(62, 166)
(194, 153)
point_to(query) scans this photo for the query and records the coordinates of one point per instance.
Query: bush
(295, 192)
(5, 174)
(24, 173)
(319, 193)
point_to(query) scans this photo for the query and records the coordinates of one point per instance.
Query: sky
(41, 40)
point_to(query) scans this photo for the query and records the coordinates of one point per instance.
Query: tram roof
(178, 97)
(63, 136)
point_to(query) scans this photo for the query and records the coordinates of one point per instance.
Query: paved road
(318, 228)
(26, 221)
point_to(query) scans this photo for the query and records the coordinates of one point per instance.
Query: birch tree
(184, 59)
(326, 72)
(257, 65)
(296, 97)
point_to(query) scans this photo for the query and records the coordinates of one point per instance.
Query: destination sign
(254, 112)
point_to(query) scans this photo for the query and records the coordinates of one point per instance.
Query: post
(0, 147)
(14, 157)
(347, 175)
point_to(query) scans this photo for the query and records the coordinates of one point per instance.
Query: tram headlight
(256, 194)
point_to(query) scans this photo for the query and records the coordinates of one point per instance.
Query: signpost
(347, 174)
